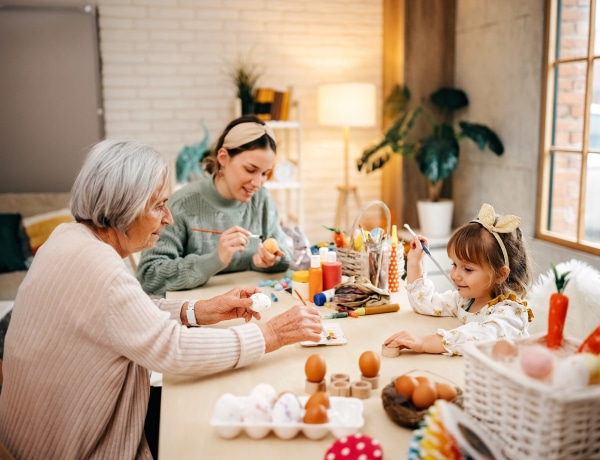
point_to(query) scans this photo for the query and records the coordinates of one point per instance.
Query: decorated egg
(265, 391)
(369, 364)
(287, 409)
(229, 409)
(536, 361)
(260, 301)
(271, 245)
(256, 410)
(446, 391)
(317, 413)
(572, 372)
(315, 368)
(424, 395)
(504, 350)
(320, 397)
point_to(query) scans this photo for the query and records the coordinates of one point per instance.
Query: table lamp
(346, 105)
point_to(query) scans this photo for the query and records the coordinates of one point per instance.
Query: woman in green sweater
(230, 199)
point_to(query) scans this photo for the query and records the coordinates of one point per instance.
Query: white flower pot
(435, 218)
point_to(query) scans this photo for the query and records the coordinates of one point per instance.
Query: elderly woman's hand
(297, 324)
(233, 304)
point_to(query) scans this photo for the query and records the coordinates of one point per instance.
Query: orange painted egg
(369, 364)
(446, 391)
(405, 385)
(317, 413)
(424, 396)
(271, 245)
(320, 397)
(315, 368)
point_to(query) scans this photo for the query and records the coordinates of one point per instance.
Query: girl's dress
(504, 317)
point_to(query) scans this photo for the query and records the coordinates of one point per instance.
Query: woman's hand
(232, 240)
(233, 304)
(406, 340)
(265, 259)
(297, 324)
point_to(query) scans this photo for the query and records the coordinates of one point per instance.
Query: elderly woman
(232, 200)
(83, 333)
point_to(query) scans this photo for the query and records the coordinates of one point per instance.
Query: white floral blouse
(503, 317)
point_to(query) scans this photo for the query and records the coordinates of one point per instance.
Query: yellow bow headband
(505, 224)
(243, 133)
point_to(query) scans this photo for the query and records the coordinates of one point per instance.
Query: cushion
(14, 246)
(40, 226)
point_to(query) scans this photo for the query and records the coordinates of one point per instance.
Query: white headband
(243, 133)
(506, 224)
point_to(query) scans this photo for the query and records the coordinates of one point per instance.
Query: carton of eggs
(286, 414)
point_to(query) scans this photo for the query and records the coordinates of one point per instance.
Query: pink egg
(536, 361)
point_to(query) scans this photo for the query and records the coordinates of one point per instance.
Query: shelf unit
(289, 194)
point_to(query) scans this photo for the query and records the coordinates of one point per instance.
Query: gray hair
(116, 182)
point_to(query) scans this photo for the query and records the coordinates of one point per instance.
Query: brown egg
(315, 368)
(424, 396)
(405, 385)
(369, 364)
(446, 391)
(423, 379)
(317, 413)
(271, 245)
(320, 397)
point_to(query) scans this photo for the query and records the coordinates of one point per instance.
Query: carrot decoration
(592, 343)
(338, 236)
(557, 313)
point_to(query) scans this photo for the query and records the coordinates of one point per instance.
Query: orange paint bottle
(315, 277)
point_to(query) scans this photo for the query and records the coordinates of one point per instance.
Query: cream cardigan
(82, 338)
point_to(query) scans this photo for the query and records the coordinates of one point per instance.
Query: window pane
(569, 105)
(592, 203)
(595, 109)
(573, 27)
(564, 193)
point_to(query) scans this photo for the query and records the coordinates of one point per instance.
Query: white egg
(572, 372)
(287, 409)
(256, 410)
(260, 301)
(265, 391)
(229, 409)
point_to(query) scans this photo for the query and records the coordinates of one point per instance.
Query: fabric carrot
(338, 236)
(557, 313)
(592, 343)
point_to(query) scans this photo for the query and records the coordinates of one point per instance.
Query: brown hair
(210, 162)
(473, 243)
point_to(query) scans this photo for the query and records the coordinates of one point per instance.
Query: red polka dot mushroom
(355, 447)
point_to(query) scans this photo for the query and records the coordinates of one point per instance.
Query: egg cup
(340, 388)
(374, 381)
(360, 389)
(313, 387)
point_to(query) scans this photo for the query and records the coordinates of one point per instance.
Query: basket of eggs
(408, 397)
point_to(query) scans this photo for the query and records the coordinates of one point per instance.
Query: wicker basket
(356, 263)
(401, 410)
(532, 419)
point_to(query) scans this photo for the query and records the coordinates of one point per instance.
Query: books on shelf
(270, 104)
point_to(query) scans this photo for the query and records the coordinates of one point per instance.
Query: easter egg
(536, 361)
(271, 245)
(405, 385)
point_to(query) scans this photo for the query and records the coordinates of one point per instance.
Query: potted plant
(245, 76)
(437, 152)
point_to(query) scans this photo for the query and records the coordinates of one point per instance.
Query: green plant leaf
(397, 102)
(449, 98)
(482, 136)
(438, 155)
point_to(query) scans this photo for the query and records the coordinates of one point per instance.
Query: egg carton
(345, 418)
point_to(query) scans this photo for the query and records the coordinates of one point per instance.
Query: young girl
(491, 271)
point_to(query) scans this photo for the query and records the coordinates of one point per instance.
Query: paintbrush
(426, 249)
(218, 232)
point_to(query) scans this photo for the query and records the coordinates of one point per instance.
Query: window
(569, 189)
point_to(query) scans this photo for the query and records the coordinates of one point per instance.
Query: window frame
(551, 63)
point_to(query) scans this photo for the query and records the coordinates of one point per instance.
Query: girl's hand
(265, 259)
(414, 259)
(233, 304)
(406, 340)
(232, 240)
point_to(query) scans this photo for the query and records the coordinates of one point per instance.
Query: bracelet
(191, 314)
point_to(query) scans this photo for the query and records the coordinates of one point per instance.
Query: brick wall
(166, 63)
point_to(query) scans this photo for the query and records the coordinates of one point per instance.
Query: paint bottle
(323, 254)
(332, 271)
(300, 284)
(315, 277)
(322, 297)
(393, 278)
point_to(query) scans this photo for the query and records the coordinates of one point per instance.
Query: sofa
(41, 213)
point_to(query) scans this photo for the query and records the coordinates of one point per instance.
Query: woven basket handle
(370, 204)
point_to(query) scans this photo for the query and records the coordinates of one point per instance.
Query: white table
(188, 401)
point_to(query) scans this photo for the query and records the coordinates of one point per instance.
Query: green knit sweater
(185, 259)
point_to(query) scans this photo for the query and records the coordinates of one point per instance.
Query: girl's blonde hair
(474, 244)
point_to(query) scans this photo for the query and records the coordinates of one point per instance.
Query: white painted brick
(171, 13)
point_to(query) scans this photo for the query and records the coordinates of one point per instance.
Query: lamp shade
(346, 104)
